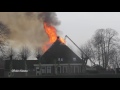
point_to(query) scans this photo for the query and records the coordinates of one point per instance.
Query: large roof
(59, 50)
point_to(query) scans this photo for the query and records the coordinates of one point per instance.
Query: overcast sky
(80, 26)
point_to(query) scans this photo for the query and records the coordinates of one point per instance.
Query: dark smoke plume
(26, 28)
(50, 18)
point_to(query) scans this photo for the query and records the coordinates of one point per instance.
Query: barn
(59, 59)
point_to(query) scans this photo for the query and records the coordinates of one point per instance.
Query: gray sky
(80, 26)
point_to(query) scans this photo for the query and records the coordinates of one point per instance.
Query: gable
(59, 51)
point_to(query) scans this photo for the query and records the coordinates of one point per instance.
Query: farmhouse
(59, 59)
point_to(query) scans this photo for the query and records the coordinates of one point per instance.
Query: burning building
(59, 59)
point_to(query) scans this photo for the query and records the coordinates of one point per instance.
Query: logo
(13, 70)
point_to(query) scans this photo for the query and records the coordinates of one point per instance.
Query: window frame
(49, 70)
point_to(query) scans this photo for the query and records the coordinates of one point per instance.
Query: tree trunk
(102, 55)
(99, 55)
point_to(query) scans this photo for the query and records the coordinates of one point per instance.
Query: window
(76, 69)
(74, 59)
(48, 69)
(43, 69)
(60, 59)
(65, 69)
(37, 69)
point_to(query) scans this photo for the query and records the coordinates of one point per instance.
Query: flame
(52, 34)
(62, 40)
(46, 46)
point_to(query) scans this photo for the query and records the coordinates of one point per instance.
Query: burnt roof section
(59, 50)
(20, 64)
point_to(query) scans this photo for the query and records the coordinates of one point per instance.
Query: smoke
(50, 18)
(26, 28)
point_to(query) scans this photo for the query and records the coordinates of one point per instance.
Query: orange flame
(62, 40)
(51, 32)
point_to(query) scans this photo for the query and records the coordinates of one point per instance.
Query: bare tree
(99, 44)
(10, 53)
(104, 42)
(24, 53)
(38, 52)
(103, 47)
(111, 38)
(89, 51)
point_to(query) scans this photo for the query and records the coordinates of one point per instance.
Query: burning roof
(52, 34)
(55, 48)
